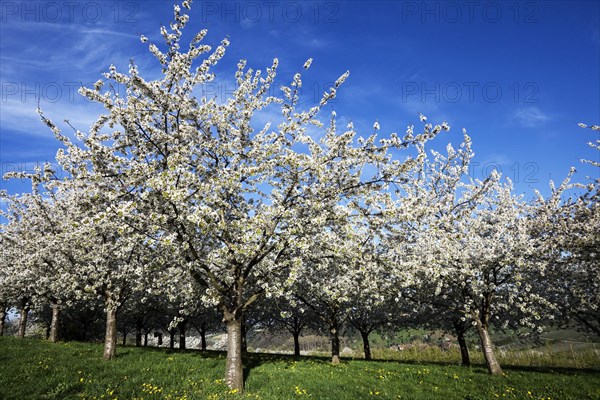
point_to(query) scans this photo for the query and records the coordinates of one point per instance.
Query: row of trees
(172, 195)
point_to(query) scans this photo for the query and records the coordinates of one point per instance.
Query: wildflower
(300, 392)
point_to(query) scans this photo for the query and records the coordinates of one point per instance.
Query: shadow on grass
(552, 370)
(483, 369)
(254, 360)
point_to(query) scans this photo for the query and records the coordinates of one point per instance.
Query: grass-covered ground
(34, 369)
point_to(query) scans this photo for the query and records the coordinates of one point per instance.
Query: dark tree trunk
(366, 346)
(464, 350)
(182, 326)
(296, 343)
(160, 338)
(460, 327)
(2, 318)
(145, 339)
(138, 335)
(171, 339)
(84, 329)
(124, 338)
(203, 338)
(23, 321)
(296, 329)
(110, 338)
(54, 323)
(488, 348)
(234, 372)
(335, 344)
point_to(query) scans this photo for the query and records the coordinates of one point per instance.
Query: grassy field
(34, 369)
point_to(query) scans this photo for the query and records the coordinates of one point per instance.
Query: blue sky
(518, 75)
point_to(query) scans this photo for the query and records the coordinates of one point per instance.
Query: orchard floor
(34, 369)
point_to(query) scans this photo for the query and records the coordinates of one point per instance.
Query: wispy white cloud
(247, 23)
(531, 117)
(65, 48)
(107, 32)
(316, 43)
(19, 116)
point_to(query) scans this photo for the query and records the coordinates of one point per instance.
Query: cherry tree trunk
(23, 321)
(145, 339)
(54, 323)
(84, 329)
(182, 326)
(110, 337)
(464, 350)
(335, 344)
(138, 336)
(171, 339)
(296, 330)
(366, 345)
(460, 327)
(234, 372)
(2, 319)
(297, 343)
(488, 349)
(203, 339)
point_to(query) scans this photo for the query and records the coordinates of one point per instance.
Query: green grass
(549, 356)
(35, 369)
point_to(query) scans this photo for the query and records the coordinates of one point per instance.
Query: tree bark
(488, 348)
(182, 326)
(2, 318)
(138, 335)
(171, 339)
(160, 338)
(296, 343)
(366, 345)
(84, 329)
(54, 323)
(203, 339)
(23, 321)
(296, 330)
(110, 338)
(464, 350)
(124, 338)
(460, 327)
(234, 372)
(335, 344)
